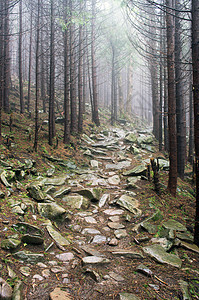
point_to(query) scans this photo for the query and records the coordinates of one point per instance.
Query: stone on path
(76, 202)
(90, 220)
(61, 192)
(57, 181)
(113, 242)
(25, 271)
(59, 239)
(188, 246)
(35, 192)
(128, 296)
(65, 256)
(90, 231)
(114, 225)
(130, 204)
(94, 163)
(29, 257)
(103, 200)
(127, 253)
(137, 171)
(94, 260)
(92, 194)
(58, 294)
(18, 290)
(113, 212)
(160, 255)
(116, 276)
(185, 289)
(131, 138)
(114, 219)
(99, 239)
(10, 244)
(120, 233)
(51, 211)
(114, 180)
(145, 270)
(174, 225)
(5, 290)
(91, 251)
(119, 166)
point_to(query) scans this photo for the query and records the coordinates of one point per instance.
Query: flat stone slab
(137, 171)
(127, 253)
(188, 246)
(51, 210)
(174, 225)
(114, 180)
(116, 276)
(59, 239)
(120, 233)
(99, 239)
(128, 296)
(76, 202)
(57, 181)
(103, 200)
(91, 251)
(65, 256)
(114, 225)
(129, 203)
(29, 257)
(113, 212)
(121, 165)
(90, 220)
(90, 231)
(160, 255)
(93, 260)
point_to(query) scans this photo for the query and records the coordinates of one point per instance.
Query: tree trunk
(121, 96)
(94, 67)
(66, 82)
(43, 79)
(129, 88)
(80, 78)
(191, 125)
(52, 80)
(180, 106)
(1, 65)
(37, 76)
(20, 60)
(30, 60)
(6, 71)
(195, 60)
(172, 184)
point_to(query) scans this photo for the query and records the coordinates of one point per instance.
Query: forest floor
(106, 231)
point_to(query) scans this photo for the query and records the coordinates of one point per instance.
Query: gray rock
(114, 225)
(76, 202)
(61, 192)
(103, 200)
(35, 192)
(32, 239)
(59, 239)
(164, 164)
(134, 150)
(185, 236)
(18, 210)
(143, 269)
(11, 273)
(116, 276)
(2, 195)
(37, 277)
(5, 290)
(25, 271)
(99, 239)
(46, 273)
(58, 269)
(128, 296)
(127, 253)
(90, 220)
(18, 290)
(50, 172)
(113, 242)
(51, 211)
(93, 274)
(28, 257)
(185, 289)
(94, 260)
(188, 246)
(57, 181)
(115, 219)
(174, 225)
(160, 255)
(94, 164)
(65, 256)
(3, 178)
(114, 180)
(113, 212)
(131, 138)
(137, 171)
(119, 166)
(129, 203)
(150, 228)
(166, 244)
(91, 251)
(91, 194)
(120, 233)
(10, 244)
(91, 231)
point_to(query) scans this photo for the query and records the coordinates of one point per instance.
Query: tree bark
(20, 60)
(94, 67)
(80, 78)
(30, 60)
(195, 61)
(172, 184)
(6, 71)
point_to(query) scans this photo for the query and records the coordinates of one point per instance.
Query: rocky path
(86, 234)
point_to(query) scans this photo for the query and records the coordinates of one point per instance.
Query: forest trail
(98, 232)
